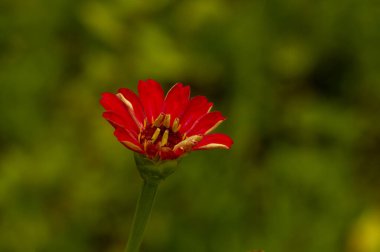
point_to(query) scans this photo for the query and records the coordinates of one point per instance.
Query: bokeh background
(298, 80)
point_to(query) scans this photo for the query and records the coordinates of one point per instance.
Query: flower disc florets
(162, 138)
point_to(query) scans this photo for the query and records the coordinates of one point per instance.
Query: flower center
(160, 135)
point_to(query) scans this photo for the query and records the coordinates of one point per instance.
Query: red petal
(118, 122)
(197, 107)
(214, 141)
(114, 119)
(206, 124)
(136, 104)
(127, 140)
(112, 104)
(152, 98)
(176, 100)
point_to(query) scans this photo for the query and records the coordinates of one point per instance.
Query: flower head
(163, 127)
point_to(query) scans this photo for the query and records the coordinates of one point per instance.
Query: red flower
(161, 127)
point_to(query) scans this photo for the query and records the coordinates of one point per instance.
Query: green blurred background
(298, 80)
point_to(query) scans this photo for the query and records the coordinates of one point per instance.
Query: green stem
(143, 210)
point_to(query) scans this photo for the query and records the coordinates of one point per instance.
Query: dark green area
(298, 80)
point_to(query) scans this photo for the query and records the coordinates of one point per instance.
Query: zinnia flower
(163, 127)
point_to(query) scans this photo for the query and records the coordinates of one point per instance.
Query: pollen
(158, 121)
(166, 122)
(176, 126)
(156, 134)
(165, 138)
(145, 145)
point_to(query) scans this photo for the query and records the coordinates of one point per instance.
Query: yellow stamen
(156, 134)
(165, 138)
(158, 121)
(166, 122)
(145, 145)
(176, 126)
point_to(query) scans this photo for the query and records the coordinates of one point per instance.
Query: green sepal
(155, 171)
